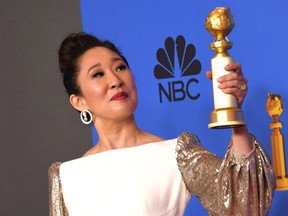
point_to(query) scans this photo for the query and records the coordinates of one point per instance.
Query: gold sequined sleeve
(56, 202)
(235, 185)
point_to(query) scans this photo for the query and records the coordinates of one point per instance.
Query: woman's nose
(115, 81)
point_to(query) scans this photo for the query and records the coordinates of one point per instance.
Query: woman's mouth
(120, 96)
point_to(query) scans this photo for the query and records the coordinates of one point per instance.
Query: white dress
(98, 184)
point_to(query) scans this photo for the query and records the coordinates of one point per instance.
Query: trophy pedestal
(282, 183)
(226, 118)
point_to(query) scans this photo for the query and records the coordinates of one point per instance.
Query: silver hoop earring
(86, 117)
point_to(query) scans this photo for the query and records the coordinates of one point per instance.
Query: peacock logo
(177, 90)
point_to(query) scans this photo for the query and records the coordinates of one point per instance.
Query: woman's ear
(78, 102)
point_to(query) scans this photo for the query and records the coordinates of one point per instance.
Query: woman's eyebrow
(93, 66)
(99, 64)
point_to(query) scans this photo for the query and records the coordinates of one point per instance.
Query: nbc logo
(176, 90)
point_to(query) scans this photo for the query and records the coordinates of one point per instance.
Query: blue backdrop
(183, 102)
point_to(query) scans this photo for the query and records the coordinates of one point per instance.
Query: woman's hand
(233, 83)
(236, 84)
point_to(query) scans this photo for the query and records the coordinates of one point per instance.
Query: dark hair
(71, 49)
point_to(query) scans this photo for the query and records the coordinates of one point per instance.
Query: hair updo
(71, 49)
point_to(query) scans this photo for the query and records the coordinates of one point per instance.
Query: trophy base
(226, 118)
(282, 184)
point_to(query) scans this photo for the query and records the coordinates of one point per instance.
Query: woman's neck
(118, 134)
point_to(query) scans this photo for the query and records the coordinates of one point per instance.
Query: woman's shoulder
(150, 138)
(184, 140)
(188, 138)
(54, 168)
(188, 142)
(53, 172)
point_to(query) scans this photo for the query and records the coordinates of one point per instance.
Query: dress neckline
(112, 151)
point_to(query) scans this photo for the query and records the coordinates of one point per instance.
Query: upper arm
(56, 203)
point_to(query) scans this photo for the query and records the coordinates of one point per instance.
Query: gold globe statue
(274, 108)
(220, 23)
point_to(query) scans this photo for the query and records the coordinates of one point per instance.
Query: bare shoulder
(152, 138)
(91, 151)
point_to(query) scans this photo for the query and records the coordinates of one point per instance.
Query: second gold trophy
(220, 23)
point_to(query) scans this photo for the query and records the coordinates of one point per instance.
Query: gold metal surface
(226, 118)
(274, 108)
(220, 23)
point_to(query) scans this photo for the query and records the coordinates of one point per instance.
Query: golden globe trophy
(274, 108)
(220, 23)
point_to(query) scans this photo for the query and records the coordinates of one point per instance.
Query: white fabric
(137, 181)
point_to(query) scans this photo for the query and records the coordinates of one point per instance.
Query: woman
(132, 172)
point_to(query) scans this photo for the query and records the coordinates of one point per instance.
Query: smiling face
(107, 85)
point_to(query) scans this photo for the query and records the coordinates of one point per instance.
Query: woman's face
(107, 85)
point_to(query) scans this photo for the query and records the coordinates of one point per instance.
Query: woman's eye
(97, 74)
(121, 67)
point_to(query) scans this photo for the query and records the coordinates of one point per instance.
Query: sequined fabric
(56, 202)
(237, 185)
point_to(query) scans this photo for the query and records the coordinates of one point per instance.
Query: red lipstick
(120, 96)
